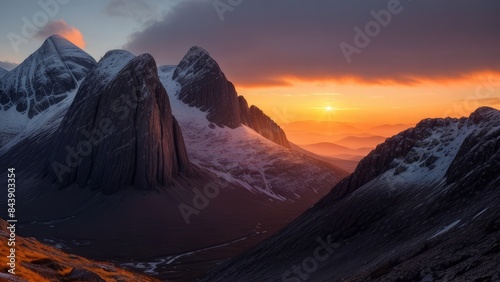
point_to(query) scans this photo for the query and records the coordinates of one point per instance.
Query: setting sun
(328, 109)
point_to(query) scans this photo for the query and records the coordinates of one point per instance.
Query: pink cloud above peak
(62, 28)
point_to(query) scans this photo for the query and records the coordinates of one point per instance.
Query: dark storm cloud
(261, 42)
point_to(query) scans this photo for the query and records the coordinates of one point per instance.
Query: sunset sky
(430, 59)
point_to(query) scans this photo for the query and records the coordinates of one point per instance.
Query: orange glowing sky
(374, 104)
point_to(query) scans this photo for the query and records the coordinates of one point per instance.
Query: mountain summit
(119, 130)
(45, 77)
(205, 86)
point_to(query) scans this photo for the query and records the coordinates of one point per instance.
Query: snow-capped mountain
(242, 154)
(421, 206)
(44, 79)
(204, 85)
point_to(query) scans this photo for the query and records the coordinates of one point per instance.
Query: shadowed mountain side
(256, 119)
(119, 130)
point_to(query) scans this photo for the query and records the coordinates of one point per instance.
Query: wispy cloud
(61, 27)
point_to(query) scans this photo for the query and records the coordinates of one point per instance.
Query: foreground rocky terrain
(40, 262)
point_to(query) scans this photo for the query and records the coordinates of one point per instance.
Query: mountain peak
(204, 85)
(197, 63)
(198, 50)
(483, 114)
(60, 44)
(124, 92)
(45, 78)
(59, 39)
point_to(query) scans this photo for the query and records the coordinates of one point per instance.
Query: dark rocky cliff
(256, 119)
(120, 130)
(205, 86)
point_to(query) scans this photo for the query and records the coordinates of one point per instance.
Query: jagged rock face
(382, 158)
(480, 150)
(205, 86)
(120, 130)
(45, 77)
(255, 118)
(243, 104)
(466, 149)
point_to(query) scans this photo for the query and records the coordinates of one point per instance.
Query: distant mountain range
(342, 143)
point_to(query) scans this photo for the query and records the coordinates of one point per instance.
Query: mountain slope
(44, 79)
(3, 72)
(421, 206)
(256, 163)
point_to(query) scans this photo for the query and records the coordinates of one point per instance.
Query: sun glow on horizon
(328, 108)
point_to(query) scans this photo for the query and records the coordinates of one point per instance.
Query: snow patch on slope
(241, 155)
(45, 123)
(446, 229)
(428, 161)
(111, 64)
